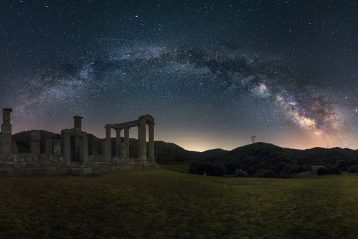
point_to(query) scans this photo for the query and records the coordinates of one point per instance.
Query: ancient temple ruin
(122, 148)
(75, 151)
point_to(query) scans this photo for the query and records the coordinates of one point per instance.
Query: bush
(241, 173)
(322, 171)
(327, 171)
(291, 169)
(204, 168)
(353, 169)
(341, 165)
(192, 169)
(263, 173)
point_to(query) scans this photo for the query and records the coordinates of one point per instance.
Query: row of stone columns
(122, 148)
(122, 144)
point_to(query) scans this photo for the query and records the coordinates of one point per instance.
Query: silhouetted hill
(170, 153)
(262, 159)
(259, 159)
(211, 153)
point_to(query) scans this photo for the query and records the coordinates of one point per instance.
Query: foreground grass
(166, 204)
(177, 167)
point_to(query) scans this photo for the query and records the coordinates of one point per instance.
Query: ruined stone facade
(75, 151)
(122, 143)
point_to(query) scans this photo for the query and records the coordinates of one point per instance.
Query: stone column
(77, 149)
(142, 144)
(35, 143)
(56, 147)
(118, 143)
(66, 147)
(6, 132)
(94, 152)
(108, 144)
(151, 142)
(48, 146)
(84, 148)
(121, 148)
(126, 144)
(48, 149)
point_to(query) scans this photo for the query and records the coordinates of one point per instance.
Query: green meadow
(168, 204)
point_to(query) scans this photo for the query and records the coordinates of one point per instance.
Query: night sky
(212, 73)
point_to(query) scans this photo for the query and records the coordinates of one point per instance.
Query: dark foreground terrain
(166, 204)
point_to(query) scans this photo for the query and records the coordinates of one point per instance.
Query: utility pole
(253, 138)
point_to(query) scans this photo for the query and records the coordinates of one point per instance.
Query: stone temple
(75, 151)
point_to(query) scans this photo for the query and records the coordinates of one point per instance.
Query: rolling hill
(267, 159)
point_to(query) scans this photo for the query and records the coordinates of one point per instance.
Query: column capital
(108, 126)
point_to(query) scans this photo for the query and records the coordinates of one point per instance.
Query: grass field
(167, 204)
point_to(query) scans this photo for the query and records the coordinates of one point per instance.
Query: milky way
(169, 71)
(211, 74)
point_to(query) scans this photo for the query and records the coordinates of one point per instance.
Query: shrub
(241, 173)
(205, 168)
(322, 171)
(327, 171)
(341, 165)
(192, 169)
(291, 169)
(263, 173)
(353, 169)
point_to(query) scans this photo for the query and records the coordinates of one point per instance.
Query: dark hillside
(262, 159)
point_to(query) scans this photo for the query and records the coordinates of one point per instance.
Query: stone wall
(31, 168)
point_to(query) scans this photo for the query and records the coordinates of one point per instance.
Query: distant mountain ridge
(263, 158)
(250, 157)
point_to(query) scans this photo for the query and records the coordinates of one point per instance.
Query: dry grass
(167, 204)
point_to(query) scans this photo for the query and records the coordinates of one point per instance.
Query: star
(194, 65)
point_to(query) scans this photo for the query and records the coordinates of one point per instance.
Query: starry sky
(212, 73)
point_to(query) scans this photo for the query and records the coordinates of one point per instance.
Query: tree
(353, 169)
(241, 173)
